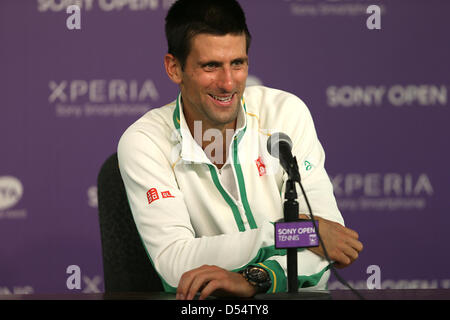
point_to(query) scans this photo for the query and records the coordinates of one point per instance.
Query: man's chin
(220, 118)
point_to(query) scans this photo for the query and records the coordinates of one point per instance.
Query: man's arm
(164, 224)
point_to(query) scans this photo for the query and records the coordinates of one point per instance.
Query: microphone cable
(333, 269)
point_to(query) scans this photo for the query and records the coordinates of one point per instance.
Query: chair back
(126, 266)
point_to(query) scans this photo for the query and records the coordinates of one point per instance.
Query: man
(202, 187)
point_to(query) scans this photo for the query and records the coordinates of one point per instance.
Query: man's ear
(173, 68)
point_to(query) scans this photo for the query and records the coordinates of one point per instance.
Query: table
(387, 294)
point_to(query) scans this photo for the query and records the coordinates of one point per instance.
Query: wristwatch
(257, 277)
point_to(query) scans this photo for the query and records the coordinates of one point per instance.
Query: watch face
(258, 275)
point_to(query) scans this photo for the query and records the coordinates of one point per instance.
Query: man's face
(213, 80)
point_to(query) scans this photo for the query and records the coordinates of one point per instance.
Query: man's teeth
(223, 99)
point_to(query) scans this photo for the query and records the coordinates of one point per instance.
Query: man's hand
(209, 279)
(342, 243)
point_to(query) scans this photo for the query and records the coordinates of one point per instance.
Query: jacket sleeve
(165, 227)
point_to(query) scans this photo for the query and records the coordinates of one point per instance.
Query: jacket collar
(190, 150)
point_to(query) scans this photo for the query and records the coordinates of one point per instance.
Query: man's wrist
(304, 216)
(257, 277)
(251, 289)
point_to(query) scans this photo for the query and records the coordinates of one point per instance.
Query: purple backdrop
(379, 99)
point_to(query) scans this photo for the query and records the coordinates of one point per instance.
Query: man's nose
(225, 80)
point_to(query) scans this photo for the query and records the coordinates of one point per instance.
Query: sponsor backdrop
(378, 90)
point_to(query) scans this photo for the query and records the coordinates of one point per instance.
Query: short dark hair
(188, 18)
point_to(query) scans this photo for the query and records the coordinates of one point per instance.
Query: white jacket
(187, 218)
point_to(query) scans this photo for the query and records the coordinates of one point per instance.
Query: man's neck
(214, 140)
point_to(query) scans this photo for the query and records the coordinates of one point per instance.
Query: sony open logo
(101, 97)
(410, 95)
(11, 191)
(103, 5)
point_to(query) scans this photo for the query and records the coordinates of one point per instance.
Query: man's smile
(223, 100)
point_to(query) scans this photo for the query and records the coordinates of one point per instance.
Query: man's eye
(237, 64)
(210, 66)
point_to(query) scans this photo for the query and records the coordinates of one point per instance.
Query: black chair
(126, 265)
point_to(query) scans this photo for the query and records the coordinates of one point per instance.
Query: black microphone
(279, 146)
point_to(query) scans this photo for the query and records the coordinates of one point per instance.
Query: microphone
(279, 145)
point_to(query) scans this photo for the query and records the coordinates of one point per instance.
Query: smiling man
(205, 215)
(212, 83)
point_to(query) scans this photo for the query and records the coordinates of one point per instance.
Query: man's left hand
(342, 244)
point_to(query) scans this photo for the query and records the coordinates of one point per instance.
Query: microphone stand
(291, 215)
(291, 212)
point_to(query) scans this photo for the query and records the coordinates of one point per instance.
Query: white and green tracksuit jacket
(187, 213)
